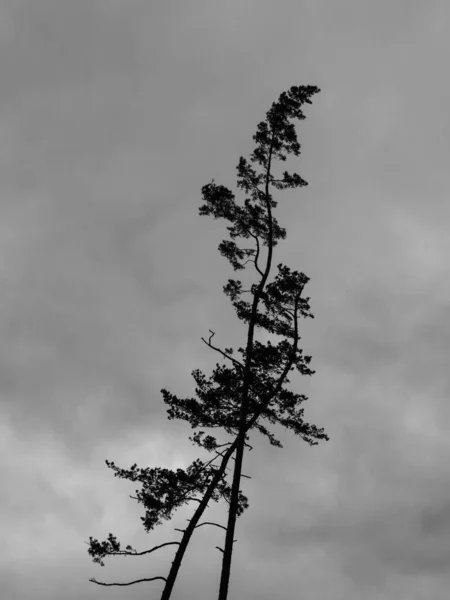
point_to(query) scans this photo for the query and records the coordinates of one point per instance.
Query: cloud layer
(113, 115)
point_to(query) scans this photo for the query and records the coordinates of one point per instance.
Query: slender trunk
(232, 513)
(228, 549)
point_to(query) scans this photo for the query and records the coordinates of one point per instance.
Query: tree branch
(208, 343)
(265, 402)
(134, 553)
(210, 523)
(129, 583)
(221, 548)
(213, 459)
(257, 252)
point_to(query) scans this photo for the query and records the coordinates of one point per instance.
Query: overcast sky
(113, 115)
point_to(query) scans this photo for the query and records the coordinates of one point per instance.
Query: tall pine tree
(275, 307)
(236, 398)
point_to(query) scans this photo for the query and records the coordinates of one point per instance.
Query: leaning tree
(241, 393)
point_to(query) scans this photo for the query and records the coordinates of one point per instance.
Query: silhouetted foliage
(238, 397)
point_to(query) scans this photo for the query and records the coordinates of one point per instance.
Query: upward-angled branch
(225, 354)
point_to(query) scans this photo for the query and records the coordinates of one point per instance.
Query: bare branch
(129, 583)
(248, 260)
(208, 343)
(221, 548)
(210, 523)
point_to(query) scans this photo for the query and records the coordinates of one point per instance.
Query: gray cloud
(113, 115)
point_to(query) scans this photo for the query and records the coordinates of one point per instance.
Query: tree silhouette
(236, 398)
(282, 301)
